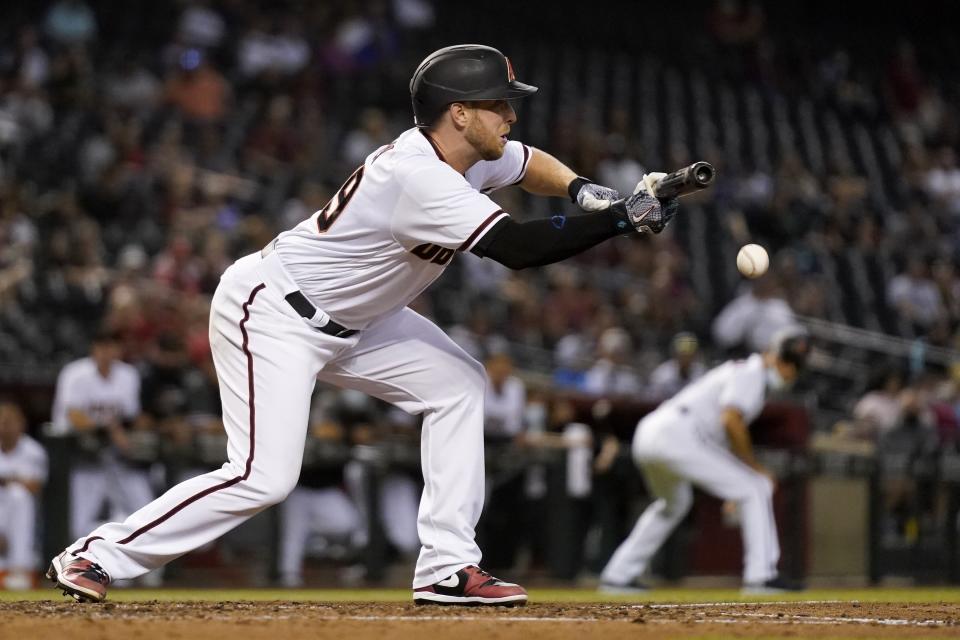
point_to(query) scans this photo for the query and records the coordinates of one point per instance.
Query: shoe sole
(75, 591)
(469, 601)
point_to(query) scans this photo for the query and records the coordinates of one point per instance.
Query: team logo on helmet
(511, 76)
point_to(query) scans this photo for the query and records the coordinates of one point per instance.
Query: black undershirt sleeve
(534, 243)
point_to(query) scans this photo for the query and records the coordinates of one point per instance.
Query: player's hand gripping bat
(654, 202)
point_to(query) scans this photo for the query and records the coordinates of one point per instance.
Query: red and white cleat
(80, 578)
(472, 586)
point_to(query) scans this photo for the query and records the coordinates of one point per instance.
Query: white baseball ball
(752, 260)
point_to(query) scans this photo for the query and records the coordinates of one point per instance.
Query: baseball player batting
(699, 437)
(327, 300)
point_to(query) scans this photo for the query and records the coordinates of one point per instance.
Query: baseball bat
(685, 181)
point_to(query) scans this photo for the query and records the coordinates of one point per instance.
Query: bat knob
(703, 173)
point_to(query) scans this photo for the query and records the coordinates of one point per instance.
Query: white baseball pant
(672, 458)
(268, 359)
(17, 526)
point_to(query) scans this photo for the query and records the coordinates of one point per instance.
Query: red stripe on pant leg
(86, 544)
(253, 425)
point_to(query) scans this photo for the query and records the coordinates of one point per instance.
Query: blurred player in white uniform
(98, 398)
(700, 437)
(328, 300)
(23, 472)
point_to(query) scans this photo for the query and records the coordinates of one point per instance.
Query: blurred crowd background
(146, 145)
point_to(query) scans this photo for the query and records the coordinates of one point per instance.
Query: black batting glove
(643, 213)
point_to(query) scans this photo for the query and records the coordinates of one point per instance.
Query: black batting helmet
(460, 73)
(792, 345)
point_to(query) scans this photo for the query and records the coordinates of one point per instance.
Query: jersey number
(433, 253)
(332, 210)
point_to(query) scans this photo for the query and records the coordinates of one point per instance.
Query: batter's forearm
(547, 176)
(535, 243)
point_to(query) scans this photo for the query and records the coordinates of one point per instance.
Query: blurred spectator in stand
(569, 296)
(945, 277)
(612, 374)
(362, 39)
(879, 410)
(25, 114)
(414, 15)
(910, 494)
(70, 23)
(945, 407)
(671, 303)
(915, 296)
(737, 27)
(26, 63)
(18, 237)
(681, 369)
(200, 25)
(195, 435)
(370, 134)
(23, 472)
(213, 260)
(177, 266)
(198, 91)
(275, 145)
(133, 87)
(505, 400)
(162, 394)
(904, 87)
(619, 169)
(571, 360)
(750, 320)
(272, 51)
(913, 170)
(310, 197)
(71, 85)
(503, 430)
(943, 181)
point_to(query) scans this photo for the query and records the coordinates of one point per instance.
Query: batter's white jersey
(26, 461)
(736, 384)
(80, 386)
(393, 227)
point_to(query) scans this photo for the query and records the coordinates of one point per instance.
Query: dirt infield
(284, 620)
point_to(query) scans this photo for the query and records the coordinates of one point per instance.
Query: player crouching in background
(700, 437)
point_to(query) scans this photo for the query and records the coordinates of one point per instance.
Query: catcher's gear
(462, 73)
(643, 212)
(591, 196)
